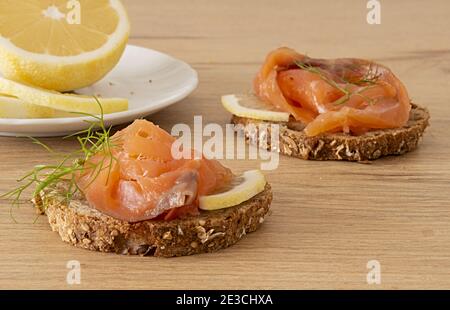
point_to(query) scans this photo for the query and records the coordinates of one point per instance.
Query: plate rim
(17, 122)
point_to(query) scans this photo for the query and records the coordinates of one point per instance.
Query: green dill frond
(368, 80)
(322, 75)
(94, 140)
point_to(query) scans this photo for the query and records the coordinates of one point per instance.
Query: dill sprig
(368, 80)
(322, 75)
(96, 139)
(370, 77)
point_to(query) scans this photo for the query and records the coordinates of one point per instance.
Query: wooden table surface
(329, 218)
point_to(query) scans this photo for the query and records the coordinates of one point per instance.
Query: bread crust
(339, 146)
(82, 226)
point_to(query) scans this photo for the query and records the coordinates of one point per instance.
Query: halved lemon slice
(58, 101)
(243, 188)
(250, 106)
(61, 44)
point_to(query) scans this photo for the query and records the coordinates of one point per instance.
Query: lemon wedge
(11, 107)
(243, 188)
(251, 107)
(61, 44)
(62, 102)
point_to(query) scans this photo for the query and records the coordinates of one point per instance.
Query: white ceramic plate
(149, 79)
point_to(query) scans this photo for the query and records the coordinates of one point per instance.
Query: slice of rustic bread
(369, 146)
(82, 226)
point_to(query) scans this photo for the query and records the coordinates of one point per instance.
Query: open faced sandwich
(129, 195)
(340, 109)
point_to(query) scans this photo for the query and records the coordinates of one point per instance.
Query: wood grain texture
(329, 218)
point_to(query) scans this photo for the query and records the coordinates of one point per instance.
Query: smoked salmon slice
(340, 95)
(137, 178)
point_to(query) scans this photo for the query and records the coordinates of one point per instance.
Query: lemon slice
(11, 107)
(63, 102)
(251, 107)
(15, 108)
(249, 185)
(61, 44)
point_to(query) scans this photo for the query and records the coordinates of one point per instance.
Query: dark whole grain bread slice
(82, 226)
(339, 146)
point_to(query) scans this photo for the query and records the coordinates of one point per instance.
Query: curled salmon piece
(137, 178)
(267, 88)
(340, 95)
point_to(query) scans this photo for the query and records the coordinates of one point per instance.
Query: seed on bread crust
(338, 146)
(82, 226)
